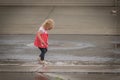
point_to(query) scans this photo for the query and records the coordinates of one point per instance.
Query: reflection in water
(49, 76)
(41, 76)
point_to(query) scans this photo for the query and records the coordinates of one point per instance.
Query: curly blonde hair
(49, 23)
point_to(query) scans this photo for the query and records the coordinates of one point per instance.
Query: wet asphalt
(72, 49)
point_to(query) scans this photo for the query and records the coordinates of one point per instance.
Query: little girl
(41, 39)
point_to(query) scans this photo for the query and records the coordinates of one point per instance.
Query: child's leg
(42, 55)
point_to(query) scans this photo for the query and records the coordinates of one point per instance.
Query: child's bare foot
(41, 62)
(45, 62)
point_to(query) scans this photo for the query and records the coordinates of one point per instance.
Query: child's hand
(43, 43)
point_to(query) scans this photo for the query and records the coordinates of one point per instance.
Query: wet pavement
(85, 49)
(89, 57)
(58, 76)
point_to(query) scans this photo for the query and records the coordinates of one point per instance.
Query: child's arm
(38, 34)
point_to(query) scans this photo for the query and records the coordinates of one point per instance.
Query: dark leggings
(43, 51)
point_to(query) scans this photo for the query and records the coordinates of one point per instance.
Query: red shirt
(44, 36)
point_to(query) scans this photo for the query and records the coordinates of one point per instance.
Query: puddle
(80, 58)
(61, 57)
(50, 76)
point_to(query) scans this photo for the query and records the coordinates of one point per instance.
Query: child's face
(48, 28)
